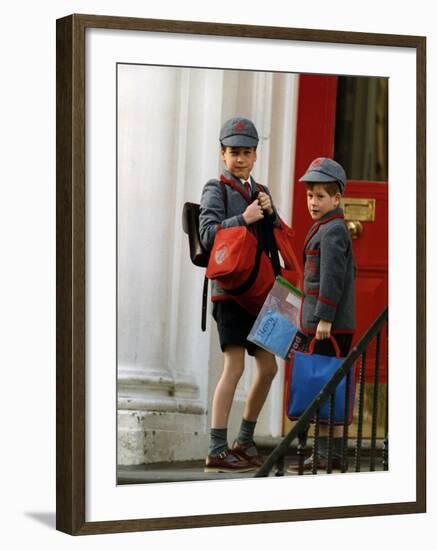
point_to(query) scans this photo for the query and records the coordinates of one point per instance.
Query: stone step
(193, 471)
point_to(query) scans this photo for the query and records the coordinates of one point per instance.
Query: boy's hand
(265, 202)
(253, 213)
(323, 330)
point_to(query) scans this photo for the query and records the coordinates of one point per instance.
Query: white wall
(27, 291)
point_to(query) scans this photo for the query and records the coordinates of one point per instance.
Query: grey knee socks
(337, 446)
(218, 441)
(219, 437)
(247, 429)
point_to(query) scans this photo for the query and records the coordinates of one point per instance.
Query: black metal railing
(299, 432)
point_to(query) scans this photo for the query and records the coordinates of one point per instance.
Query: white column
(166, 130)
(145, 203)
(283, 141)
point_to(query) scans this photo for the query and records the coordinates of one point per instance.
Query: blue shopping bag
(310, 372)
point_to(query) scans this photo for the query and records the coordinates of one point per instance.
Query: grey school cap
(238, 132)
(324, 170)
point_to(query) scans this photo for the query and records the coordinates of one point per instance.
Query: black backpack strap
(205, 280)
(271, 247)
(268, 239)
(204, 303)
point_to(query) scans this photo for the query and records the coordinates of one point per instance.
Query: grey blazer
(329, 275)
(213, 213)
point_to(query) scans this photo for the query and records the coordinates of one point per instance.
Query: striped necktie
(248, 188)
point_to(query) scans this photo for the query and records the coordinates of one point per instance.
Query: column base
(146, 437)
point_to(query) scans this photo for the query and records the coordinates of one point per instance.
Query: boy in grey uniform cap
(239, 139)
(328, 307)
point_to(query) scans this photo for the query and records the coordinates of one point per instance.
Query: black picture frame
(71, 283)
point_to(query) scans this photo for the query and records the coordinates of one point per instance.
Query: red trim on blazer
(311, 332)
(239, 188)
(300, 316)
(313, 252)
(327, 302)
(316, 228)
(242, 190)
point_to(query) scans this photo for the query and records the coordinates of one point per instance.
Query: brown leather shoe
(322, 464)
(248, 452)
(227, 461)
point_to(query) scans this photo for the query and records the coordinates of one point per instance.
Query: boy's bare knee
(271, 370)
(266, 363)
(234, 362)
(233, 372)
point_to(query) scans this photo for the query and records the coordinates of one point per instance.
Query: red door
(365, 203)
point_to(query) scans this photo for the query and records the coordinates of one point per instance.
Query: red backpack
(245, 260)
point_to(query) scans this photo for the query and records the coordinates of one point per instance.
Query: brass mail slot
(362, 210)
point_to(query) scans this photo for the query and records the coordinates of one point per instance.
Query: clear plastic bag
(277, 323)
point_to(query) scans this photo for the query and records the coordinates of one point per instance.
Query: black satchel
(190, 224)
(199, 256)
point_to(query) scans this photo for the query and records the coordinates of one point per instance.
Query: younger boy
(239, 140)
(328, 308)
